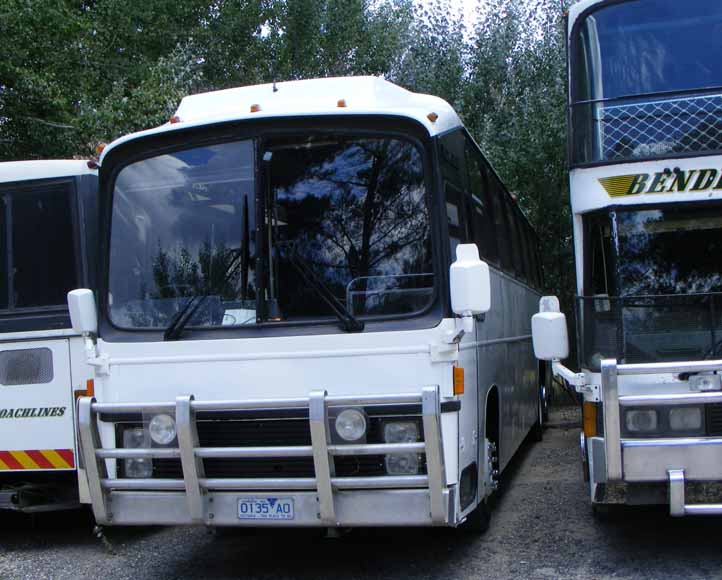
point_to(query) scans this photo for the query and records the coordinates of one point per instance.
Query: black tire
(537, 430)
(477, 522)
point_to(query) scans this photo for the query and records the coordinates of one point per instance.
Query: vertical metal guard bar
(610, 399)
(322, 462)
(192, 466)
(94, 469)
(676, 492)
(431, 409)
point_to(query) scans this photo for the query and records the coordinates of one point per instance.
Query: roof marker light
(99, 147)
(341, 103)
(432, 117)
(174, 119)
(255, 108)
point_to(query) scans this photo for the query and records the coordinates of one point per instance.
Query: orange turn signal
(589, 417)
(458, 380)
(432, 117)
(89, 389)
(174, 119)
(341, 103)
(255, 108)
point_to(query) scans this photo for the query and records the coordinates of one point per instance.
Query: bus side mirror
(83, 315)
(470, 282)
(549, 331)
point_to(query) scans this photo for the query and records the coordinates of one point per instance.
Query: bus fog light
(641, 420)
(351, 425)
(401, 432)
(685, 419)
(402, 464)
(162, 429)
(140, 468)
(705, 383)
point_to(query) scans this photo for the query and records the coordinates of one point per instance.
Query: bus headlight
(162, 429)
(351, 425)
(142, 467)
(641, 420)
(401, 432)
(685, 419)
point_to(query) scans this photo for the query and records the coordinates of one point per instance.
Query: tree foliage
(75, 72)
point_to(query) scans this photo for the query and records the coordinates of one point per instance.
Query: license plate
(265, 508)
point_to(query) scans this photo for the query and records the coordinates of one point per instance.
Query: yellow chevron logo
(618, 185)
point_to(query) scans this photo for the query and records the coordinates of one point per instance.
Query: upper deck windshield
(271, 230)
(646, 80)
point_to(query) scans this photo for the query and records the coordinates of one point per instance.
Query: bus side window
(454, 180)
(480, 206)
(501, 227)
(517, 266)
(524, 249)
(3, 253)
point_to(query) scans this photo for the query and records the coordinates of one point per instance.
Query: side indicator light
(589, 417)
(458, 380)
(89, 389)
(99, 148)
(432, 117)
(174, 119)
(341, 103)
(255, 108)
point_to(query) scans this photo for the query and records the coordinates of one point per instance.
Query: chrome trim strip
(260, 484)
(192, 466)
(95, 470)
(382, 482)
(155, 453)
(672, 442)
(671, 399)
(376, 449)
(249, 452)
(144, 484)
(322, 461)
(671, 367)
(431, 412)
(610, 398)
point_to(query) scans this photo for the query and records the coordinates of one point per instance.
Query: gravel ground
(542, 527)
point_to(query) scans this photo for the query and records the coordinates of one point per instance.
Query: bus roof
(11, 171)
(315, 97)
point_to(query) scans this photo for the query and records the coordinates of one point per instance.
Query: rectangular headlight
(641, 420)
(401, 432)
(141, 468)
(685, 419)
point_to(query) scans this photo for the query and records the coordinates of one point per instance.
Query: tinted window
(349, 215)
(3, 252)
(516, 250)
(184, 225)
(501, 224)
(43, 257)
(453, 173)
(653, 46)
(480, 214)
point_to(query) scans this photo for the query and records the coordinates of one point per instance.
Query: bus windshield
(653, 285)
(270, 231)
(645, 79)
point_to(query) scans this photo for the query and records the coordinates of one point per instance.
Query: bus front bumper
(669, 462)
(323, 500)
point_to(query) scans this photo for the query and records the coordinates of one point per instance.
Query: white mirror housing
(549, 331)
(83, 314)
(470, 282)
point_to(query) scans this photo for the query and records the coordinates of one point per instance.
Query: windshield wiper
(180, 319)
(348, 321)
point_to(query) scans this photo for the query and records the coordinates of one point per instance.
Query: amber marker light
(89, 389)
(174, 119)
(255, 108)
(432, 117)
(99, 148)
(458, 380)
(589, 416)
(341, 103)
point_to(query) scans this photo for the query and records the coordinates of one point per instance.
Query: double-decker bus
(645, 89)
(47, 247)
(293, 325)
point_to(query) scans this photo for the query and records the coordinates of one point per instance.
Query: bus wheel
(477, 522)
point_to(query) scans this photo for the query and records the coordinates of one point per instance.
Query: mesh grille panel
(26, 367)
(682, 125)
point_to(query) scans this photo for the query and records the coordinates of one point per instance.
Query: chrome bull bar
(196, 485)
(651, 451)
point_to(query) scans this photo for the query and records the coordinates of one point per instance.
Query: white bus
(278, 337)
(645, 91)
(47, 235)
